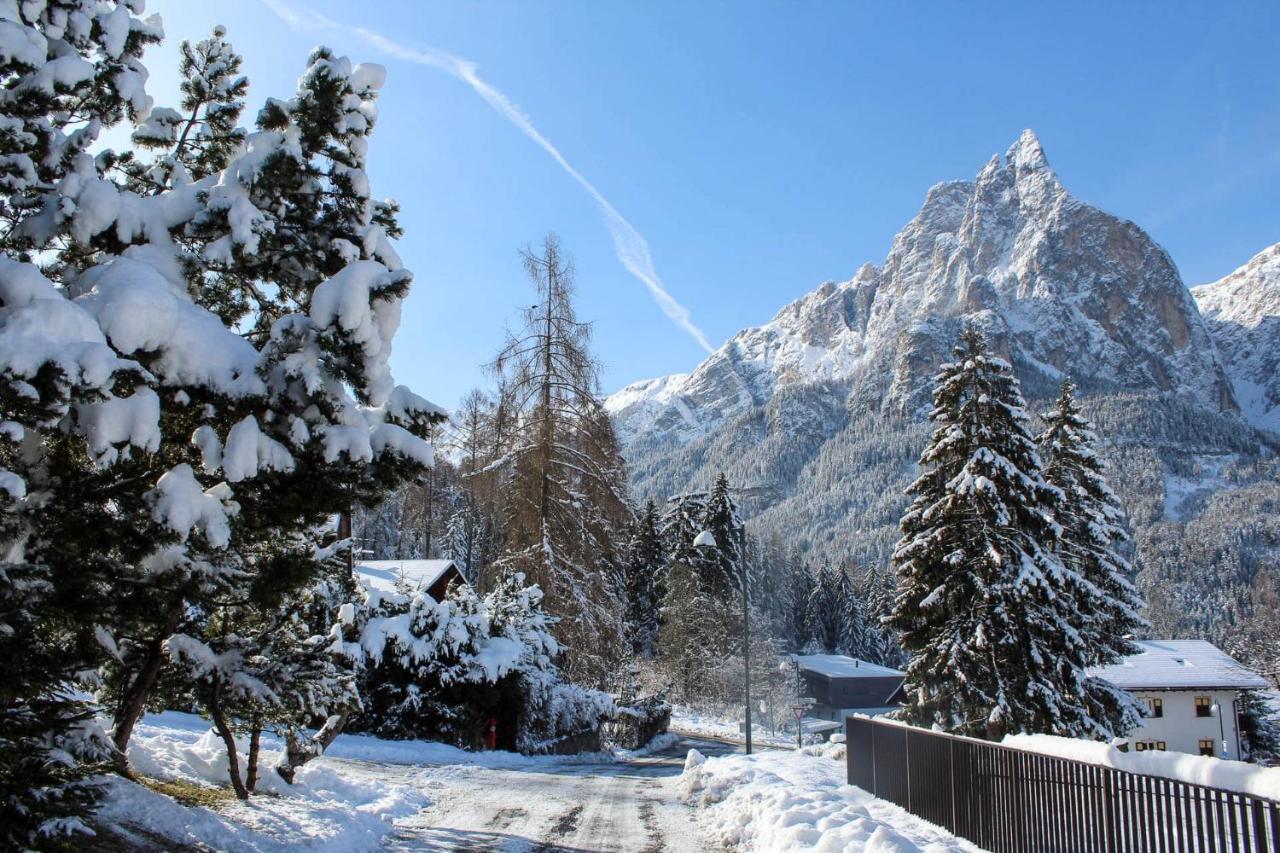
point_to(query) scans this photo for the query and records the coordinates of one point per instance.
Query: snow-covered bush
(441, 670)
(638, 721)
(194, 369)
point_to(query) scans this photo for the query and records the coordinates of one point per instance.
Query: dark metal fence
(1011, 801)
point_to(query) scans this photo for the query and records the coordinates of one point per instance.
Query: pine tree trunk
(228, 740)
(133, 702)
(298, 751)
(255, 743)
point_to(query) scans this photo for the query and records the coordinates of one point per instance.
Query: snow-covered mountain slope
(818, 416)
(1242, 312)
(1061, 286)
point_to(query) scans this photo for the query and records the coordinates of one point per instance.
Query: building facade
(841, 685)
(1190, 691)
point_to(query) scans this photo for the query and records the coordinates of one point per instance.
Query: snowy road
(588, 806)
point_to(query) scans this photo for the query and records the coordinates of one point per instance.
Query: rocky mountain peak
(1061, 287)
(1027, 154)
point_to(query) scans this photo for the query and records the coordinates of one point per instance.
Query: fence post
(951, 771)
(875, 779)
(906, 751)
(1109, 806)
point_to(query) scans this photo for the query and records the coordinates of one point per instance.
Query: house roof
(841, 666)
(1179, 664)
(420, 574)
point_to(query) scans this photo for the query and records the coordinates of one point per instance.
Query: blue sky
(761, 148)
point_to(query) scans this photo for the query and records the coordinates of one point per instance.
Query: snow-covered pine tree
(724, 565)
(156, 452)
(254, 660)
(644, 559)
(1092, 532)
(69, 69)
(701, 620)
(682, 519)
(1107, 604)
(877, 590)
(692, 646)
(854, 637)
(200, 138)
(566, 501)
(49, 742)
(823, 613)
(980, 605)
(799, 587)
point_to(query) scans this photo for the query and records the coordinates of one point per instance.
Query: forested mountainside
(818, 416)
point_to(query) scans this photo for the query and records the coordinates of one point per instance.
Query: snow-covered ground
(793, 801)
(368, 794)
(690, 722)
(328, 808)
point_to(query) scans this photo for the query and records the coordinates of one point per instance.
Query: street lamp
(706, 539)
(1217, 712)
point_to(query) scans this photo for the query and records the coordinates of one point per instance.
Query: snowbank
(328, 809)
(790, 801)
(1238, 776)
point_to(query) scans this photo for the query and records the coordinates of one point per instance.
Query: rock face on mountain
(818, 416)
(1060, 286)
(1242, 312)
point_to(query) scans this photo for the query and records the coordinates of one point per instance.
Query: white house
(1189, 688)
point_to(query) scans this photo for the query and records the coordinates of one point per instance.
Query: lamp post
(1217, 710)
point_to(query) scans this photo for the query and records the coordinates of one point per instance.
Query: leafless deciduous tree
(566, 500)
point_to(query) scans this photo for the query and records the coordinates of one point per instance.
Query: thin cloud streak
(629, 244)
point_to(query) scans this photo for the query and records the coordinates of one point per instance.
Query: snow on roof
(1179, 664)
(705, 539)
(841, 666)
(382, 574)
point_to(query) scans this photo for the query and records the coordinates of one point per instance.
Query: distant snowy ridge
(1061, 286)
(1242, 311)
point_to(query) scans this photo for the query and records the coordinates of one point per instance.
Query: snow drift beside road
(327, 809)
(790, 801)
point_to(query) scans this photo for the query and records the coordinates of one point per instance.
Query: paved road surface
(590, 806)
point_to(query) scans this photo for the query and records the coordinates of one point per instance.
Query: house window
(1206, 748)
(1149, 746)
(1204, 706)
(1155, 707)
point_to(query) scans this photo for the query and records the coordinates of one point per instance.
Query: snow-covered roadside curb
(799, 801)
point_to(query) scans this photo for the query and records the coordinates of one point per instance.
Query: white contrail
(629, 244)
